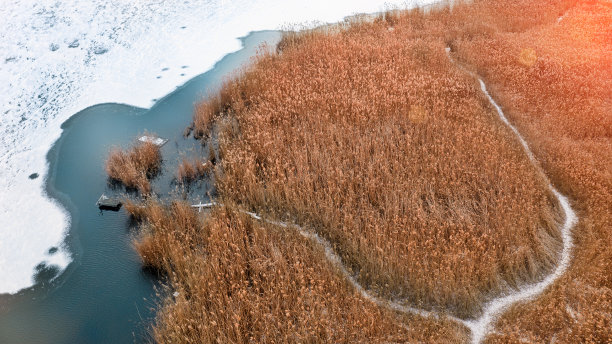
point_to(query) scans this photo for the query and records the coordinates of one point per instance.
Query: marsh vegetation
(368, 134)
(134, 166)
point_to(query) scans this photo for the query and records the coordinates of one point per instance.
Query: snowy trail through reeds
(492, 309)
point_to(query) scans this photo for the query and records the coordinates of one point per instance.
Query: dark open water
(105, 296)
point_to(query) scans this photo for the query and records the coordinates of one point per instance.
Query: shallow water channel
(105, 296)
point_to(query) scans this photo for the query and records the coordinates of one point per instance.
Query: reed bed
(134, 166)
(367, 134)
(559, 98)
(373, 138)
(233, 280)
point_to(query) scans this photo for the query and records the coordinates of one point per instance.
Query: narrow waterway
(105, 296)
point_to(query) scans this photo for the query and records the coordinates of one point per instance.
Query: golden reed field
(369, 135)
(390, 151)
(562, 103)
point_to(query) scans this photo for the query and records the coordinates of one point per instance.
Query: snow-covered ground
(59, 57)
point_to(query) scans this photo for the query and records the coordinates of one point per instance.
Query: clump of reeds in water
(134, 166)
(165, 232)
(207, 112)
(137, 210)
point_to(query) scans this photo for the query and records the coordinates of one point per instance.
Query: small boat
(108, 203)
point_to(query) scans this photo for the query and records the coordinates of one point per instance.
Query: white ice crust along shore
(57, 58)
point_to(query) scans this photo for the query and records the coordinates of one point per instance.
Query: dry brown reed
(373, 138)
(377, 141)
(190, 170)
(238, 281)
(133, 167)
(135, 209)
(208, 111)
(561, 102)
(187, 131)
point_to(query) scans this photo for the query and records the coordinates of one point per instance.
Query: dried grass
(190, 170)
(238, 281)
(560, 101)
(374, 139)
(133, 167)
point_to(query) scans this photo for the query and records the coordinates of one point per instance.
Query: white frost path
(481, 326)
(337, 262)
